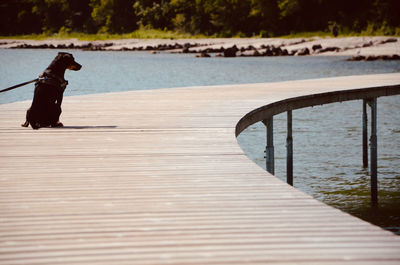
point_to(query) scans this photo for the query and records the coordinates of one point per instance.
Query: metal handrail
(368, 95)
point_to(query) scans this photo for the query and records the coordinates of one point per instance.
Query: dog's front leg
(56, 120)
(25, 124)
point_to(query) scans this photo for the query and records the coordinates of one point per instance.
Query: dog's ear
(65, 55)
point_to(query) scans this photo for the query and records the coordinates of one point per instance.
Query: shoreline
(359, 48)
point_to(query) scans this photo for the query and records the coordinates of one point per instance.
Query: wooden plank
(157, 177)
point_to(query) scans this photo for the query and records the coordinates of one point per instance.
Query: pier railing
(369, 96)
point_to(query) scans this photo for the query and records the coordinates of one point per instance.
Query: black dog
(45, 110)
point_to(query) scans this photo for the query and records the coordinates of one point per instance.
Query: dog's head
(67, 61)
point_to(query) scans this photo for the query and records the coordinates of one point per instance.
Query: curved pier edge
(299, 102)
(367, 94)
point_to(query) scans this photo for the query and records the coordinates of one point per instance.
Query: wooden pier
(157, 177)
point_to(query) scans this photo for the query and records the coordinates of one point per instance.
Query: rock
(203, 54)
(268, 52)
(329, 49)
(162, 47)
(256, 53)
(368, 44)
(178, 46)
(374, 58)
(356, 58)
(186, 47)
(302, 52)
(276, 51)
(87, 46)
(273, 51)
(231, 52)
(388, 41)
(371, 58)
(316, 47)
(213, 50)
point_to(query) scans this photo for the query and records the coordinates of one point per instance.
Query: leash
(22, 84)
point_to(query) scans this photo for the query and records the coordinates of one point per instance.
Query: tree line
(222, 18)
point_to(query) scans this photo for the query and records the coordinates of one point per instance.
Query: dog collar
(52, 79)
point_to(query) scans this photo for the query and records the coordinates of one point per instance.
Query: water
(120, 71)
(327, 139)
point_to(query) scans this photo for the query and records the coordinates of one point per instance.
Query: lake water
(327, 139)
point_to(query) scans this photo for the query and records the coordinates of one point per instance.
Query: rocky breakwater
(55, 44)
(356, 48)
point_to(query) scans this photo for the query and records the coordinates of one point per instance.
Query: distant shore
(357, 48)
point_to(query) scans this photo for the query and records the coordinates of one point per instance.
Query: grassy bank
(138, 34)
(164, 34)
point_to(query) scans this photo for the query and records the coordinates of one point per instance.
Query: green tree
(288, 7)
(220, 17)
(386, 15)
(229, 17)
(264, 17)
(36, 16)
(79, 16)
(114, 16)
(154, 14)
(16, 17)
(191, 16)
(54, 14)
(300, 15)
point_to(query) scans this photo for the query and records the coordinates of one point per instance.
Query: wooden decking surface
(157, 177)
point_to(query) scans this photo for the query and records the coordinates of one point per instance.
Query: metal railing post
(374, 152)
(289, 150)
(365, 134)
(269, 149)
